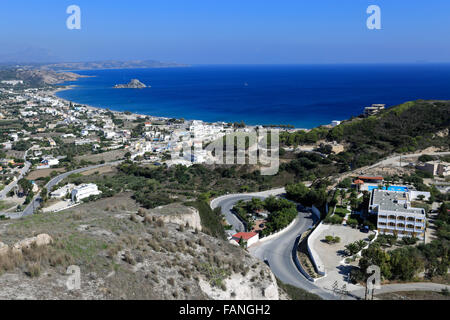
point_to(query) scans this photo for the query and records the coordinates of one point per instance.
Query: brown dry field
(106, 156)
(33, 175)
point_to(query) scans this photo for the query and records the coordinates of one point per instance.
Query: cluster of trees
(332, 240)
(310, 166)
(355, 247)
(281, 213)
(404, 263)
(306, 196)
(404, 128)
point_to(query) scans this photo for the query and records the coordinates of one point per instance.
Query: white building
(373, 109)
(436, 168)
(249, 238)
(335, 123)
(63, 191)
(84, 191)
(396, 215)
(12, 82)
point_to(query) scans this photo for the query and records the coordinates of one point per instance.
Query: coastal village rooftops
(244, 235)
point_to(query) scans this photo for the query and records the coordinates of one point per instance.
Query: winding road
(36, 202)
(22, 173)
(276, 252)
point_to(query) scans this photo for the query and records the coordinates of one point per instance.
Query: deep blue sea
(300, 95)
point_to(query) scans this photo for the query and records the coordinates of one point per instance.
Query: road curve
(36, 202)
(277, 252)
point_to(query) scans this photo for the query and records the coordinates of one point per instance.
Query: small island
(133, 84)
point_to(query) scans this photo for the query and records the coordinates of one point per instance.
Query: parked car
(365, 229)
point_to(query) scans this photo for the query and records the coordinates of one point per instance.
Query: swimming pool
(391, 188)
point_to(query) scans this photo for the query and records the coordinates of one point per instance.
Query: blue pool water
(391, 188)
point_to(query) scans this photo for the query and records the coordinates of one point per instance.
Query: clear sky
(227, 31)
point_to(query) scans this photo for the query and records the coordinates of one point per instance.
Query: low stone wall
(316, 212)
(213, 203)
(297, 262)
(317, 262)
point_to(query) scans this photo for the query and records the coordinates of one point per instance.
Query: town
(59, 156)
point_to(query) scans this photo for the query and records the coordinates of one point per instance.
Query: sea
(304, 96)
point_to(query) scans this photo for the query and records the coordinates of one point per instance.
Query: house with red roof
(249, 238)
(371, 179)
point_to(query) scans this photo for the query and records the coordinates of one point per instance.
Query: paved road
(396, 160)
(23, 172)
(36, 203)
(277, 252)
(228, 203)
(414, 286)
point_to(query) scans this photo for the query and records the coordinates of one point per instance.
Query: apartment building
(396, 215)
(373, 109)
(84, 191)
(436, 168)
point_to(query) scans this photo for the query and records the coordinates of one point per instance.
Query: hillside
(112, 64)
(36, 77)
(408, 127)
(127, 253)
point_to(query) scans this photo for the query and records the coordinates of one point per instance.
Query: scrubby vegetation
(405, 263)
(403, 128)
(281, 213)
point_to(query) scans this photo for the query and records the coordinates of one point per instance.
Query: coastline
(70, 87)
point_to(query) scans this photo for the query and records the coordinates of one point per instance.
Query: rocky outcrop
(239, 287)
(40, 240)
(133, 84)
(3, 249)
(178, 214)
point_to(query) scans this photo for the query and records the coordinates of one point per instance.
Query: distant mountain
(111, 64)
(34, 76)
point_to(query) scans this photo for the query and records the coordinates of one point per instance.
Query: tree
(241, 242)
(352, 248)
(26, 185)
(44, 194)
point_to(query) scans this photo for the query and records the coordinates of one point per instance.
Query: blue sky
(227, 32)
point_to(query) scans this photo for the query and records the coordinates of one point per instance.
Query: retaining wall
(317, 262)
(297, 262)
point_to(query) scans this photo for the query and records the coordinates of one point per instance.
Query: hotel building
(396, 215)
